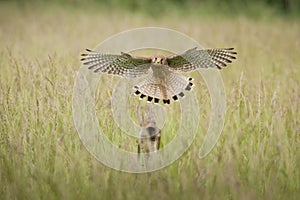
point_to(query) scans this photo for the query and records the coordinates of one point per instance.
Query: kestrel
(162, 80)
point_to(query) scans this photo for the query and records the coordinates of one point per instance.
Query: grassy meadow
(42, 157)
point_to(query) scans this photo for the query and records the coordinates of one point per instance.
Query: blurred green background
(155, 8)
(258, 154)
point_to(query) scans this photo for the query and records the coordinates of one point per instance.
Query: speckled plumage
(162, 80)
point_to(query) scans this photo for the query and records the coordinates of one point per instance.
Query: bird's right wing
(201, 58)
(123, 65)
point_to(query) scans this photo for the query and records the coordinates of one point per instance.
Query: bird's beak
(159, 60)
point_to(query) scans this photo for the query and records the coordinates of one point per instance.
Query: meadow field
(42, 157)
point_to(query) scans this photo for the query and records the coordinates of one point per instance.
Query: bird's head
(159, 60)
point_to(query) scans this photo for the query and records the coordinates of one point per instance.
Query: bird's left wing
(201, 58)
(123, 65)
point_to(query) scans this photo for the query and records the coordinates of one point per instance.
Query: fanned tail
(171, 90)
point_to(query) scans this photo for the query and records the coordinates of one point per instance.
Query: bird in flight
(162, 80)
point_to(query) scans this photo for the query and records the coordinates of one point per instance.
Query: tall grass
(41, 156)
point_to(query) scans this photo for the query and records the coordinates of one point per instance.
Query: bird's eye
(154, 59)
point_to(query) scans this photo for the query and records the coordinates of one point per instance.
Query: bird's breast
(160, 71)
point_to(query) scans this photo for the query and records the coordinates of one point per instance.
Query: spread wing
(197, 58)
(123, 65)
